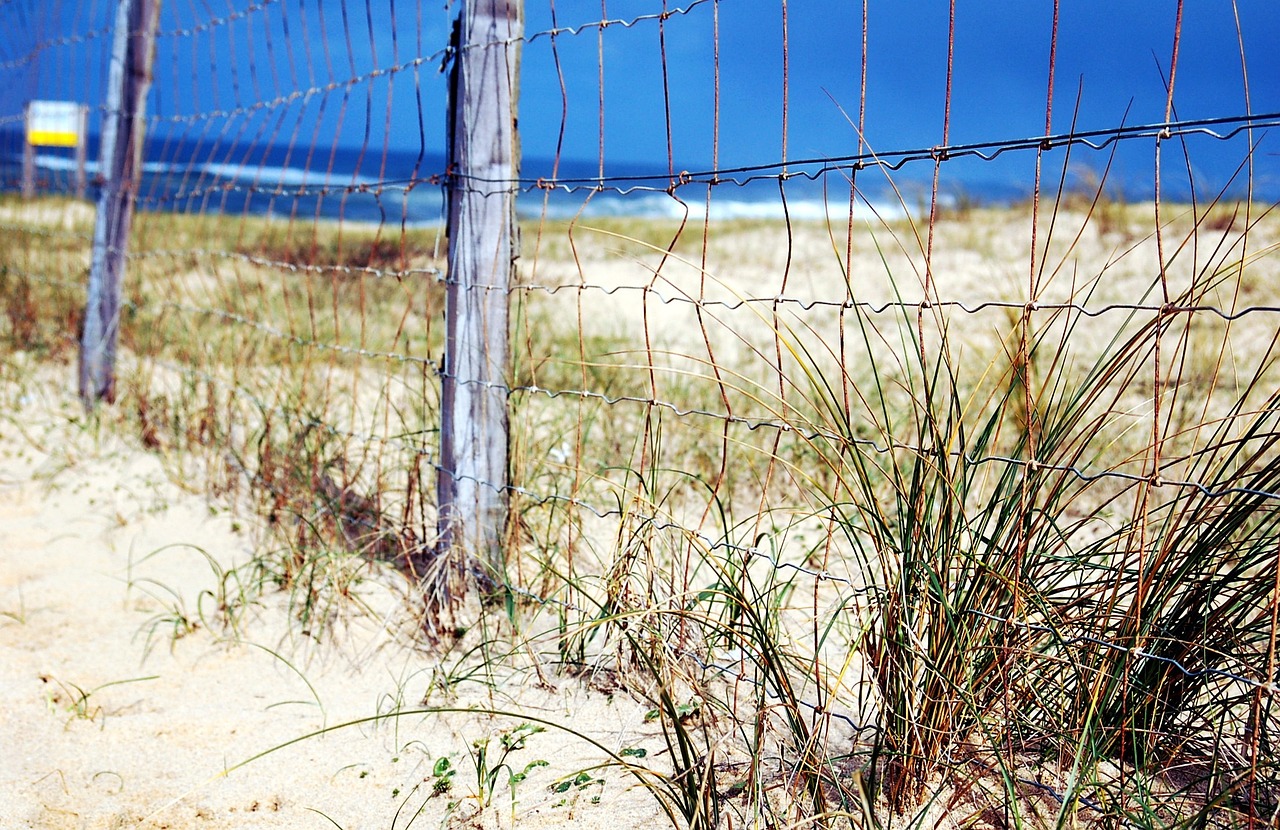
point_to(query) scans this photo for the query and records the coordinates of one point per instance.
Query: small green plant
(442, 776)
(490, 763)
(683, 712)
(78, 703)
(217, 609)
(576, 786)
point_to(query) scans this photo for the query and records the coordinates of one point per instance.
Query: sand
(127, 700)
(115, 713)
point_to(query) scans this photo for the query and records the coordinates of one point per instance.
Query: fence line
(853, 374)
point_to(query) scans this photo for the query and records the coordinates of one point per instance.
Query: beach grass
(884, 531)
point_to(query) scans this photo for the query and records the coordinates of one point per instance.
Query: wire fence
(979, 401)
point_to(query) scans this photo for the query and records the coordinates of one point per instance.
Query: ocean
(194, 176)
(207, 175)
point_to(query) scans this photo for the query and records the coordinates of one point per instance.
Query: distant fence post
(121, 165)
(472, 483)
(82, 149)
(28, 156)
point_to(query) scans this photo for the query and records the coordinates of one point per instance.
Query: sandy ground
(107, 721)
(125, 702)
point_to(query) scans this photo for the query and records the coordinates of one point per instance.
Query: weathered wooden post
(82, 148)
(128, 82)
(472, 483)
(28, 156)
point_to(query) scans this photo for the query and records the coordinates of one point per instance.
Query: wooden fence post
(28, 155)
(81, 150)
(472, 482)
(128, 82)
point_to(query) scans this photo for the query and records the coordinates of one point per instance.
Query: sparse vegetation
(65, 697)
(869, 557)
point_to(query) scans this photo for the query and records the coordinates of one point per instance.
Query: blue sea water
(207, 175)
(395, 186)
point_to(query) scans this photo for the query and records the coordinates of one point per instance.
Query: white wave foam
(292, 176)
(658, 206)
(61, 163)
(262, 174)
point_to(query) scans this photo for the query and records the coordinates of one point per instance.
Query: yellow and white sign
(54, 124)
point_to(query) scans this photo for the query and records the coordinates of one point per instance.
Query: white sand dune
(107, 721)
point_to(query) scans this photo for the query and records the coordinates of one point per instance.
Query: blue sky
(1111, 56)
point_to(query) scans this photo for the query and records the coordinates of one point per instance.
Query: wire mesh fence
(923, 418)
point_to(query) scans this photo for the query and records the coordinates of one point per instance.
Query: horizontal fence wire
(806, 169)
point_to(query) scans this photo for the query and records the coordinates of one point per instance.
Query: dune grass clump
(1046, 591)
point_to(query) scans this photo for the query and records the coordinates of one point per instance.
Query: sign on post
(54, 124)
